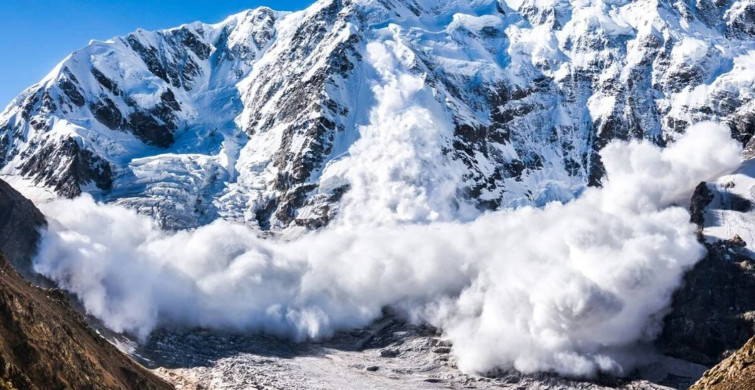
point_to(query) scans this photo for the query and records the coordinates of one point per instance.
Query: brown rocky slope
(45, 344)
(737, 372)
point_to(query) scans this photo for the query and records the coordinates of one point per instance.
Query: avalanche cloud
(571, 288)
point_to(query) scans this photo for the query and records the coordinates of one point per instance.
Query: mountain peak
(256, 119)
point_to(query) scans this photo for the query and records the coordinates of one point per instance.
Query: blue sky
(37, 34)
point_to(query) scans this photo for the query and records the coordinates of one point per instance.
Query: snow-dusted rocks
(277, 119)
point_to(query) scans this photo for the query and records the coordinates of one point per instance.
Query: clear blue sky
(36, 34)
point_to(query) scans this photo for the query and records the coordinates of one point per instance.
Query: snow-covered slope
(278, 119)
(730, 211)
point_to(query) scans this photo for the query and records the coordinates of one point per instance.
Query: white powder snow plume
(570, 288)
(397, 170)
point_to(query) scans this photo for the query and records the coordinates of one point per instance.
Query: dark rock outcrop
(713, 313)
(45, 344)
(80, 167)
(20, 222)
(701, 198)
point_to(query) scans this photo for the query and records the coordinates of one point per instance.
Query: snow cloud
(570, 288)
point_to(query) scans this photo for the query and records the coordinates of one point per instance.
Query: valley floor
(390, 354)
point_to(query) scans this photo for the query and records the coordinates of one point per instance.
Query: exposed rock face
(713, 313)
(65, 167)
(248, 119)
(20, 222)
(701, 198)
(737, 372)
(45, 344)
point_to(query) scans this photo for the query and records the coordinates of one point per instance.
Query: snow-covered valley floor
(390, 354)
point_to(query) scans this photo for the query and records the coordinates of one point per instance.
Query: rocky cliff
(20, 222)
(713, 312)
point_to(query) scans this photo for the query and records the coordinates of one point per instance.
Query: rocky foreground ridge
(737, 372)
(44, 342)
(20, 222)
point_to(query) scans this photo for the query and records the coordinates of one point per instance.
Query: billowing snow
(569, 287)
(416, 136)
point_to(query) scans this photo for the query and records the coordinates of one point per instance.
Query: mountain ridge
(256, 119)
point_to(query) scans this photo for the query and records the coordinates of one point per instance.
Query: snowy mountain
(272, 119)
